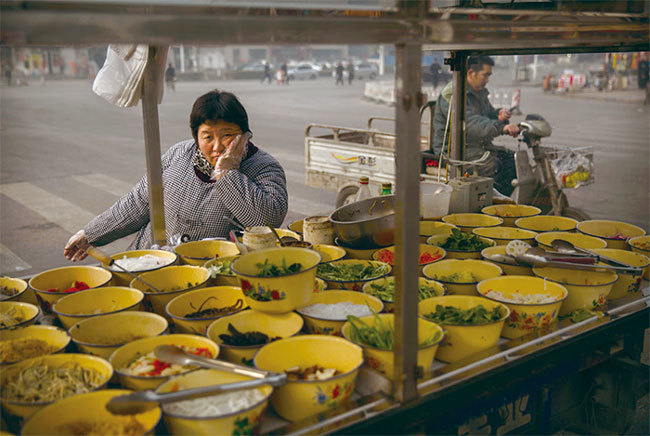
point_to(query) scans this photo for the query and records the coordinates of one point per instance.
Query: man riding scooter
(483, 124)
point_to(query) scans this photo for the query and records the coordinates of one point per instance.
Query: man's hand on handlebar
(511, 129)
(504, 115)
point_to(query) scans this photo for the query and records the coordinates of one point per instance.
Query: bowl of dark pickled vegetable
(352, 274)
(368, 223)
(277, 280)
(241, 335)
(471, 324)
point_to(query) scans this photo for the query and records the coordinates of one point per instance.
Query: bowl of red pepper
(428, 254)
(55, 283)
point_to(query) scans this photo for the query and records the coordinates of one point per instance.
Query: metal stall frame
(408, 24)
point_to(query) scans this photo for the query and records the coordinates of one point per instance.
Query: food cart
(518, 386)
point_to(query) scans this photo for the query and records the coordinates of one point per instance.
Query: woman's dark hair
(218, 105)
(476, 62)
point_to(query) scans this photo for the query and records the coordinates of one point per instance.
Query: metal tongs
(139, 402)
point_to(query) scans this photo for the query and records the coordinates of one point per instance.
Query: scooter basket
(572, 167)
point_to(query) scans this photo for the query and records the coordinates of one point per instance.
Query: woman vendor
(218, 173)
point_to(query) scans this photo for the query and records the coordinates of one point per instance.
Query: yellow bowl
(324, 326)
(18, 285)
(296, 226)
(462, 341)
(355, 285)
(303, 398)
(587, 289)
(172, 281)
(123, 279)
(578, 239)
(206, 298)
(329, 253)
(469, 221)
(511, 212)
(24, 409)
(94, 302)
(245, 421)
(355, 253)
(121, 357)
(389, 304)
(287, 232)
(388, 254)
(440, 240)
(510, 270)
(503, 235)
(63, 278)
(64, 417)
(627, 284)
(430, 228)
(55, 337)
(546, 223)
(26, 313)
(199, 252)
(281, 325)
(615, 233)
(101, 335)
(525, 317)
(470, 272)
(641, 244)
(277, 294)
(382, 360)
(221, 279)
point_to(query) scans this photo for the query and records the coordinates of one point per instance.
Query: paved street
(66, 154)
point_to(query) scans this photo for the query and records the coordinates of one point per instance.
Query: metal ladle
(139, 402)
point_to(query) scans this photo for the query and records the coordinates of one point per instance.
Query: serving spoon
(536, 257)
(564, 246)
(139, 402)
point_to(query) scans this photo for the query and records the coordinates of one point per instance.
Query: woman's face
(215, 138)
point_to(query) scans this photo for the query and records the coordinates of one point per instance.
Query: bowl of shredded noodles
(534, 303)
(64, 417)
(101, 335)
(32, 341)
(15, 314)
(137, 262)
(32, 384)
(236, 412)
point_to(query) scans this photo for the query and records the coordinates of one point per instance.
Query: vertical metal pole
(153, 75)
(459, 67)
(408, 78)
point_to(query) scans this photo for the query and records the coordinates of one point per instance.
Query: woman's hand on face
(76, 247)
(232, 157)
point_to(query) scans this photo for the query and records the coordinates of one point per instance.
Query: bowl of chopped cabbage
(235, 412)
(641, 244)
(138, 261)
(627, 284)
(321, 371)
(615, 233)
(534, 303)
(471, 324)
(461, 276)
(352, 274)
(510, 212)
(277, 280)
(384, 289)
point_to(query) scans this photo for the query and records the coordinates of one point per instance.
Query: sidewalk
(630, 95)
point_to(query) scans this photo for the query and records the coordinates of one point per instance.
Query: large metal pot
(368, 223)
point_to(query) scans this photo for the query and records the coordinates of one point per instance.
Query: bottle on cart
(364, 190)
(386, 189)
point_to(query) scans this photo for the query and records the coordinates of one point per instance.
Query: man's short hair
(218, 105)
(476, 62)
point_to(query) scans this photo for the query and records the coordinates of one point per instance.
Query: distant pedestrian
(267, 73)
(642, 72)
(435, 71)
(8, 76)
(285, 73)
(350, 73)
(339, 74)
(170, 77)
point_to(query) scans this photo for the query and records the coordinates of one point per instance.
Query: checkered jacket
(253, 195)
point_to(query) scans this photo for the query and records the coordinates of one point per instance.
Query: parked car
(302, 72)
(362, 71)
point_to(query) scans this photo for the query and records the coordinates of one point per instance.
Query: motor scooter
(536, 183)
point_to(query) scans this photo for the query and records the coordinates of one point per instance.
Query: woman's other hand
(232, 157)
(77, 246)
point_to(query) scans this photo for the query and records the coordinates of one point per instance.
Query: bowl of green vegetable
(277, 280)
(384, 289)
(461, 245)
(461, 276)
(220, 272)
(352, 274)
(375, 334)
(472, 324)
